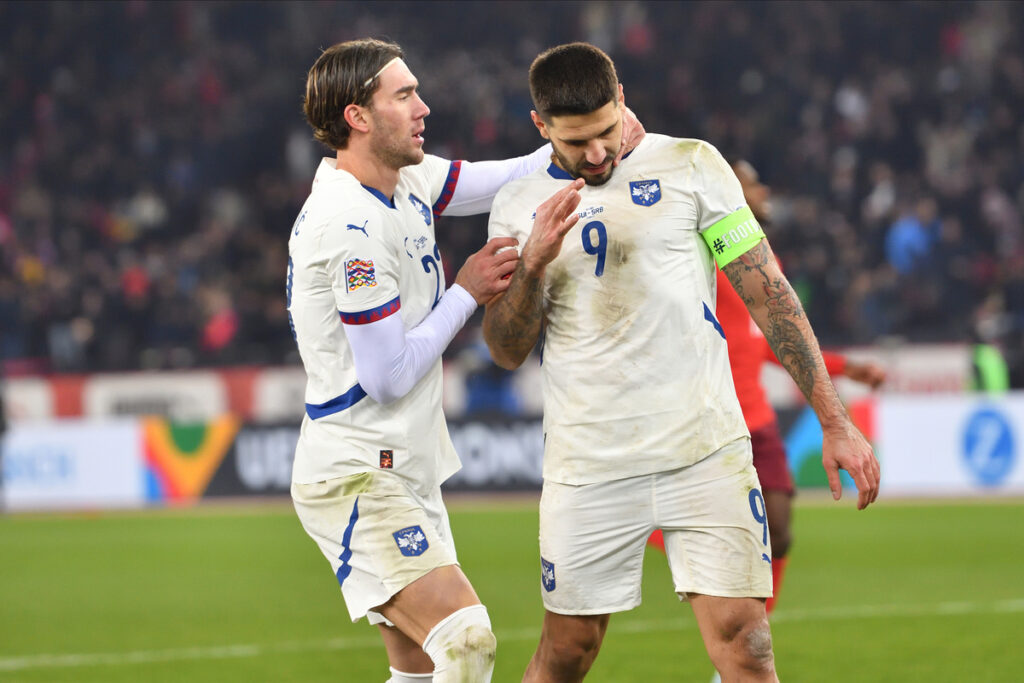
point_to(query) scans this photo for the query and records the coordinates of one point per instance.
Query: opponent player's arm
(773, 304)
(390, 360)
(513, 320)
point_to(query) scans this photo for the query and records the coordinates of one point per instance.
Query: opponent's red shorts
(770, 459)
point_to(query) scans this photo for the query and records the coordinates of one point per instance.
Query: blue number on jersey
(602, 244)
(434, 262)
(760, 515)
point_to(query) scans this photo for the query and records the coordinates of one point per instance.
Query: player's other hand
(632, 133)
(844, 447)
(485, 274)
(554, 218)
(870, 374)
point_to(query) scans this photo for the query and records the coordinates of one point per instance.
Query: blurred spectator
(909, 243)
(153, 155)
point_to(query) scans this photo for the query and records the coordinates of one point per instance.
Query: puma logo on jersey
(361, 228)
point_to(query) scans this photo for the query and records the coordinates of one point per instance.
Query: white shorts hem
(592, 610)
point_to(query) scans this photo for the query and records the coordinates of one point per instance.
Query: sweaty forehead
(573, 127)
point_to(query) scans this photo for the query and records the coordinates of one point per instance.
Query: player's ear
(622, 96)
(539, 122)
(355, 117)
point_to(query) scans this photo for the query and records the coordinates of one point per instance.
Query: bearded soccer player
(748, 351)
(642, 427)
(371, 316)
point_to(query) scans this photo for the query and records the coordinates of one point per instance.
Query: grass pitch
(899, 592)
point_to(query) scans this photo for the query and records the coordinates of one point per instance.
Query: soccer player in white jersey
(642, 427)
(371, 316)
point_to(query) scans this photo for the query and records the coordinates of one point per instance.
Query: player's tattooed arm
(513, 321)
(773, 304)
(776, 309)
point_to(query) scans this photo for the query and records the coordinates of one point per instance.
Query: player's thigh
(418, 607)
(378, 535)
(592, 540)
(715, 528)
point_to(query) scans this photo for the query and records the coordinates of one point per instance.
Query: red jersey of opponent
(748, 349)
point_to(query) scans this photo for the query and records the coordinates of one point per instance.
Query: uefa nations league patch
(547, 575)
(359, 273)
(411, 541)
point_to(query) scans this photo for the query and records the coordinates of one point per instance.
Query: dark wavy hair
(338, 78)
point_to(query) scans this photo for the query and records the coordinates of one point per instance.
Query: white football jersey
(634, 363)
(355, 257)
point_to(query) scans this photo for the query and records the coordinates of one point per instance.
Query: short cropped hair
(342, 76)
(572, 79)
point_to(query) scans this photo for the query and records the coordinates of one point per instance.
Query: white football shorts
(712, 513)
(378, 535)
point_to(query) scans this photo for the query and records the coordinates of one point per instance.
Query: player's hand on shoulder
(632, 134)
(844, 447)
(555, 217)
(485, 274)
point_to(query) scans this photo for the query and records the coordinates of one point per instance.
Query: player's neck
(369, 170)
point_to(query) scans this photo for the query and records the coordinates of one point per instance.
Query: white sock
(402, 677)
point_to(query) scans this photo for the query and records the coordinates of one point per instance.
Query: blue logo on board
(411, 541)
(989, 449)
(421, 207)
(547, 575)
(645, 192)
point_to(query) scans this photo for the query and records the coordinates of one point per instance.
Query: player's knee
(754, 644)
(462, 646)
(573, 656)
(746, 643)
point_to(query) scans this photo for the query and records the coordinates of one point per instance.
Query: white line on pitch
(49, 661)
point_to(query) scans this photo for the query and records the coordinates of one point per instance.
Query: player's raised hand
(632, 133)
(555, 217)
(844, 447)
(485, 274)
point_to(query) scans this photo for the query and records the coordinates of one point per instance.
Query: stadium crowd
(154, 155)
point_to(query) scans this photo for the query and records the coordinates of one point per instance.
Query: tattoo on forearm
(512, 324)
(756, 277)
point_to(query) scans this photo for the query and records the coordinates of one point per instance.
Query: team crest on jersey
(421, 207)
(411, 541)
(645, 192)
(547, 575)
(359, 273)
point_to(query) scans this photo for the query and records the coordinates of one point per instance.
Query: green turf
(896, 593)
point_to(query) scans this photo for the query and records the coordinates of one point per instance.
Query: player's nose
(422, 110)
(596, 153)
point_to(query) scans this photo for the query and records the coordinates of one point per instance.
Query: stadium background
(153, 156)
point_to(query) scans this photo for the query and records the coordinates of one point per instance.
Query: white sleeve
(479, 181)
(390, 361)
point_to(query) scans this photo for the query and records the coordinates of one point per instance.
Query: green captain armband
(733, 236)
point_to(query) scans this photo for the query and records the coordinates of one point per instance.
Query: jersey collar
(390, 203)
(557, 172)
